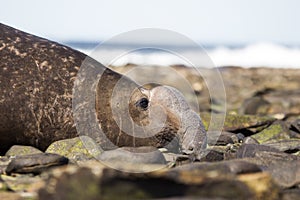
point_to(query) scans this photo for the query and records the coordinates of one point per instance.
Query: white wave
(257, 55)
(254, 55)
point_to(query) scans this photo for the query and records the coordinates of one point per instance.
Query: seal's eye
(143, 103)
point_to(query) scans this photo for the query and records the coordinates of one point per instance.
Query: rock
(267, 158)
(284, 168)
(295, 125)
(228, 167)
(35, 163)
(294, 134)
(76, 149)
(132, 156)
(254, 105)
(238, 138)
(234, 123)
(285, 145)
(250, 150)
(212, 156)
(94, 181)
(242, 167)
(283, 101)
(82, 183)
(174, 159)
(250, 140)
(290, 194)
(284, 171)
(3, 186)
(25, 184)
(10, 196)
(21, 150)
(4, 161)
(215, 138)
(286, 174)
(276, 131)
(261, 183)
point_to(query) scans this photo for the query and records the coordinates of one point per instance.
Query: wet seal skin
(37, 78)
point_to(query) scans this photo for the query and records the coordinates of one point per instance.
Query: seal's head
(164, 112)
(152, 115)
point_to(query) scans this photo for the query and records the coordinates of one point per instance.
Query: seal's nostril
(187, 152)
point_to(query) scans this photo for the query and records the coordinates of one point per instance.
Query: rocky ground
(256, 156)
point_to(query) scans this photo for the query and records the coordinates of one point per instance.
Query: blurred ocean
(253, 55)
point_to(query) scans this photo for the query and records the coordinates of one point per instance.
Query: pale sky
(211, 21)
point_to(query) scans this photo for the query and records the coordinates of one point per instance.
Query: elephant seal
(37, 81)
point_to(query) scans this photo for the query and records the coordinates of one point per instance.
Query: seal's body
(37, 79)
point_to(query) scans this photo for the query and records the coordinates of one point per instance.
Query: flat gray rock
(35, 163)
(285, 145)
(21, 150)
(143, 155)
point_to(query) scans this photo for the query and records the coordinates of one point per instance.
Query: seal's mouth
(186, 143)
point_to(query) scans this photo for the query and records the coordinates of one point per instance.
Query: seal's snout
(194, 138)
(188, 145)
(190, 129)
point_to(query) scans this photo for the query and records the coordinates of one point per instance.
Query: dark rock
(239, 137)
(295, 125)
(294, 134)
(211, 155)
(250, 150)
(35, 163)
(217, 138)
